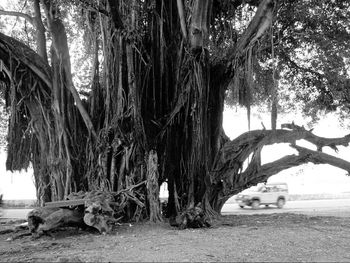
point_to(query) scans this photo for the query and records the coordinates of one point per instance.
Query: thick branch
(27, 56)
(255, 176)
(257, 27)
(227, 169)
(322, 158)
(199, 28)
(246, 143)
(320, 142)
(305, 156)
(40, 31)
(236, 55)
(181, 11)
(18, 14)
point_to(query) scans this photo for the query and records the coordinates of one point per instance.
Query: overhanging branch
(320, 142)
(27, 56)
(235, 59)
(317, 157)
(18, 14)
(289, 161)
(257, 27)
(228, 171)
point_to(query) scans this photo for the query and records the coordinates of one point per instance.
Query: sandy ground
(282, 237)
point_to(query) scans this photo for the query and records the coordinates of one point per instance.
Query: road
(14, 213)
(327, 207)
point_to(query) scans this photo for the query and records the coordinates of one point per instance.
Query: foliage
(315, 53)
(311, 55)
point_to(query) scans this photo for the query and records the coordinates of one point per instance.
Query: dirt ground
(283, 237)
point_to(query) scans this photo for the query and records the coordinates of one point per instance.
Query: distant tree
(160, 73)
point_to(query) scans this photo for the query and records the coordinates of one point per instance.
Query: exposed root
(194, 217)
(98, 209)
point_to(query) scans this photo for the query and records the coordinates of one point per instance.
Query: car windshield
(267, 188)
(277, 188)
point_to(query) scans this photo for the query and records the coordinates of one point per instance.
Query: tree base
(193, 217)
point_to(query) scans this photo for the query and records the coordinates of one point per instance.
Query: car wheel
(255, 204)
(241, 206)
(280, 203)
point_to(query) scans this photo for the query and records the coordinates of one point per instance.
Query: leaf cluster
(306, 53)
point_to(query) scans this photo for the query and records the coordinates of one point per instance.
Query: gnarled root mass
(97, 209)
(193, 217)
(42, 220)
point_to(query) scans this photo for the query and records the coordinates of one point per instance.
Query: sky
(18, 185)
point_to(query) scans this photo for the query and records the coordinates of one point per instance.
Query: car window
(278, 188)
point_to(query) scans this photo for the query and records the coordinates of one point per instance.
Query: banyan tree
(153, 111)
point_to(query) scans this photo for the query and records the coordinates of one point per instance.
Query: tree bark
(153, 187)
(182, 17)
(199, 27)
(40, 31)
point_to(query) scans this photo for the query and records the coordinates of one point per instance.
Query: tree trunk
(40, 31)
(63, 156)
(153, 187)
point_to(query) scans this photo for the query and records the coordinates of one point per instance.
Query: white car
(264, 194)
